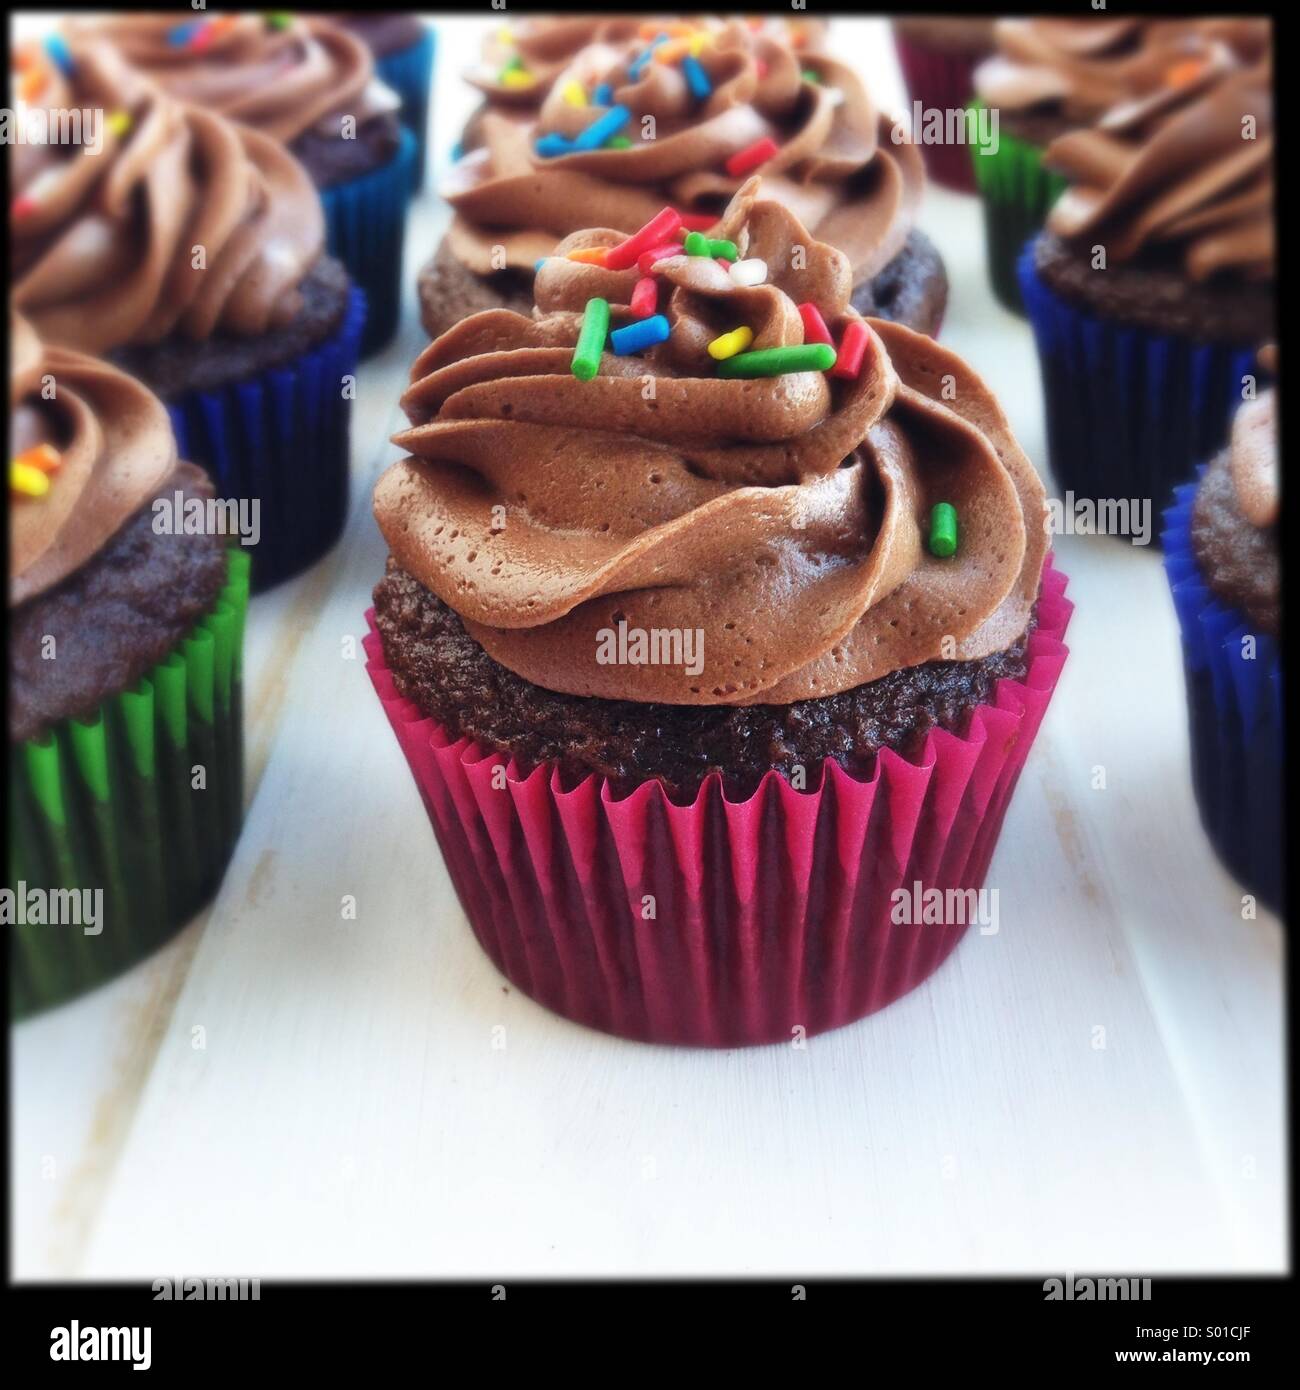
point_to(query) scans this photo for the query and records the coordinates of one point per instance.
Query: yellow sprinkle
(573, 93)
(119, 123)
(27, 481)
(505, 34)
(517, 77)
(699, 42)
(729, 344)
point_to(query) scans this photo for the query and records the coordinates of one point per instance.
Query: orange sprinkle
(1182, 73)
(588, 255)
(672, 51)
(32, 82)
(675, 30)
(43, 456)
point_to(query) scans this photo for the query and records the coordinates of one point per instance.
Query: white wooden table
(283, 1092)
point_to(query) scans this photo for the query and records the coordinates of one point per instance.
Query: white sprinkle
(751, 272)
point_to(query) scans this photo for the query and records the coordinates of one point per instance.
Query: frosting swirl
(103, 243)
(1077, 68)
(780, 516)
(115, 445)
(837, 166)
(1186, 172)
(282, 75)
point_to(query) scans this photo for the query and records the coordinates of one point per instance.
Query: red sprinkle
(750, 158)
(660, 227)
(646, 260)
(852, 349)
(697, 221)
(645, 298)
(22, 206)
(814, 326)
(761, 65)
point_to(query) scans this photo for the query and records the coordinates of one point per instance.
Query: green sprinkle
(618, 142)
(696, 244)
(591, 341)
(280, 19)
(807, 357)
(809, 75)
(725, 249)
(943, 530)
(516, 64)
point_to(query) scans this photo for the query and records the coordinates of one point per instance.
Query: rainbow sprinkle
(29, 472)
(573, 92)
(729, 344)
(118, 123)
(751, 157)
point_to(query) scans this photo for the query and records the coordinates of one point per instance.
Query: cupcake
(629, 130)
(1223, 561)
(710, 633)
(402, 46)
(310, 85)
(1052, 76)
(124, 677)
(521, 61)
(1152, 286)
(938, 55)
(188, 249)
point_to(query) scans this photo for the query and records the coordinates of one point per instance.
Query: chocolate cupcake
(310, 85)
(938, 55)
(189, 250)
(627, 129)
(705, 635)
(1223, 558)
(1051, 76)
(124, 663)
(403, 47)
(1152, 287)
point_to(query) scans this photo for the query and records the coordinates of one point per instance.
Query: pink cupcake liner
(942, 81)
(770, 915)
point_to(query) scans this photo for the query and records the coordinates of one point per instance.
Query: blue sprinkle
(457, 150)
(638, 64)
(602, 128)
(555, 143)
(537, 265)
(603, 95)
(696, 78)
(642, 334)
(57, 48)
(182, 33)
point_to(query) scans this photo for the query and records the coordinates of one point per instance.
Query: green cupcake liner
(109, 803)
(1017, 193)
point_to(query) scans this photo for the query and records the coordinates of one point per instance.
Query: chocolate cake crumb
(1240, 562)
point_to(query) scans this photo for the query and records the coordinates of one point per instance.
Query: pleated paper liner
(365, 227)
(409, 72)
(281, 437)
(1130, 414)
(1235, 714)
(1017, 193)
(940, 82)
(108, 803)
(723, 923)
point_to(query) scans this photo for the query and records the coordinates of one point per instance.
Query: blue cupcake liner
(409, 72)
(365, 227)
(1130, 413)
(1235, 717)
(281, 437)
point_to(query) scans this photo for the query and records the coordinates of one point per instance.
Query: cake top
(1184, 174)
(163, 218)
(627, 128)
(88, 447)
(743, 456)
(280, 73)
(1078, 68)
(1253, 456)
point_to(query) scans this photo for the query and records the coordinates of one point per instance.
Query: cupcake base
(409, 72)
(911, 290)
(1235, 718)
(1130, 412)
(724, 923)
(940, 81)
(111, 803)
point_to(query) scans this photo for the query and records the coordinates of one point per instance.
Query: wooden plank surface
(283, 1091)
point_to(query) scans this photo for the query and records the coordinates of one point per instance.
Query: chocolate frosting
(102, 244)
(116, 448)
(1184, 173)
(783, 517)
(1079, 68)
(837, 169)
(282, 78)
